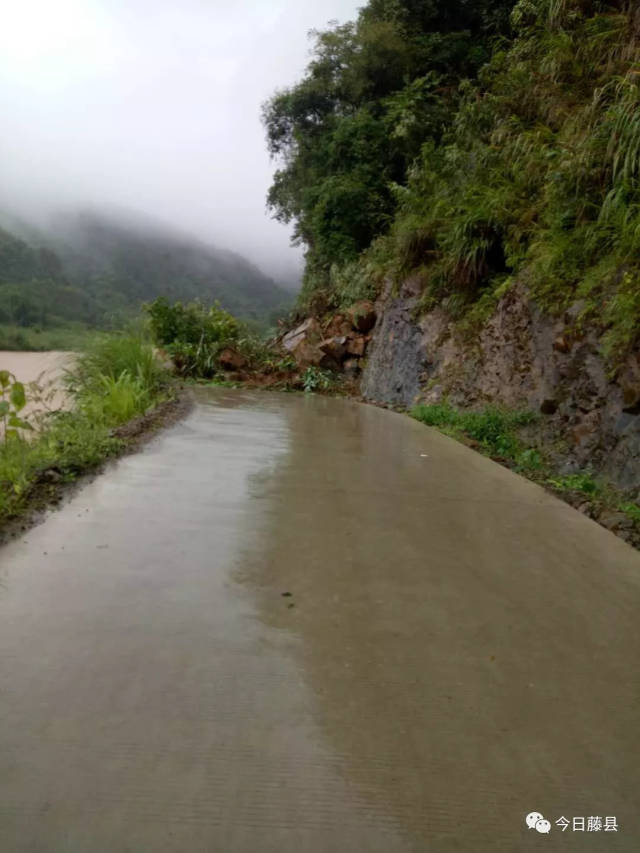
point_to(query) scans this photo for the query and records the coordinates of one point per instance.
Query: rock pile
(338, 343)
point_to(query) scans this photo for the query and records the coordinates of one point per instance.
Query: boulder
(356, 345)
(614, 521)
(309, 331)
(362, 316)
(629, 381)
(338, 326)
(352, 368)
(231, 359)
(307, 354)
(562, 343)
(335, 347)
(586, 433)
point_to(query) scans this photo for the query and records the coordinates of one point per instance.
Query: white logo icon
(535, 820)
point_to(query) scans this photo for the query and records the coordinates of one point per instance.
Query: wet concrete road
(458, 649)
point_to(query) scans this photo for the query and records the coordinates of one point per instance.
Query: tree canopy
(375, 91)
(471, 144)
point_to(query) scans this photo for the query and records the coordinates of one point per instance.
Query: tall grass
(111, 356)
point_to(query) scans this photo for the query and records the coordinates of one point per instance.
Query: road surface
(295, 624)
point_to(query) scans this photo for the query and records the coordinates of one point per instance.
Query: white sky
(152, 105)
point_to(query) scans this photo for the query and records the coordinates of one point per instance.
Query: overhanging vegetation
(470, 144)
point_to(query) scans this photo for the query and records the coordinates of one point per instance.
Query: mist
(152, 107)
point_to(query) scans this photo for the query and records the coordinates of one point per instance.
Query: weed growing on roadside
(495, 429)
(580, 482)
(316, 379)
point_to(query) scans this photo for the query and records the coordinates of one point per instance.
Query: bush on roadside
(111, 356)
(12, 401)
(192, 335)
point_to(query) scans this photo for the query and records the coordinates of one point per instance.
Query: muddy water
(45, 368)
(301, 624)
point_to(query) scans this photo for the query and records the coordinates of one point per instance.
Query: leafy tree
(374, 92)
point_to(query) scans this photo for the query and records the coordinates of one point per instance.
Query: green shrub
(316, 379)
(632, 510)
(110, 356)
(192, 335)
(12, 401)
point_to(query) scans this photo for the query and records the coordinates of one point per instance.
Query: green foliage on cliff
(374, 92)
(494, 141)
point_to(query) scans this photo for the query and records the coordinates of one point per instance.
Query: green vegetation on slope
(194, 337)
(494, 429)
(100, 271)
(501, 434)
(470, 143)
(68, 337)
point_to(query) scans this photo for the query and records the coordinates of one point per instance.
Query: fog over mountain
(152, 107)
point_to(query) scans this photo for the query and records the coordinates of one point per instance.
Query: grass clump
(494, 429)
(109, 358)
(580, 482)
(632, 510)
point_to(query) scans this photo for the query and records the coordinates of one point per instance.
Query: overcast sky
(153, 105)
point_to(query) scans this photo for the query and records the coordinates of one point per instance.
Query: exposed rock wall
(522, 358)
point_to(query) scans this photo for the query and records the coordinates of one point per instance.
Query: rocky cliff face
(522, 358)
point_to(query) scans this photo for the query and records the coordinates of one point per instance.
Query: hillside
(473, 167)
(95, 270)
(470, 144)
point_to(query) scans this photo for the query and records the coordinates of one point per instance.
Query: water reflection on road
(303, 624)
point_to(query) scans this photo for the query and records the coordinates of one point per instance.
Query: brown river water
(45, 368)
(294, 624)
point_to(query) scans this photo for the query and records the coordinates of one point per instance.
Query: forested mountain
(95, 270)
(471, 144)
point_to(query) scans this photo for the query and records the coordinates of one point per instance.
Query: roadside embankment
(112, 397)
